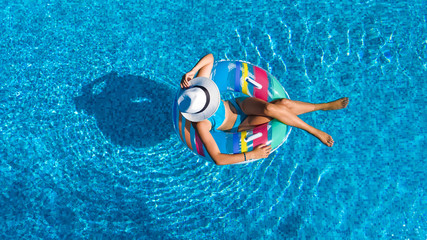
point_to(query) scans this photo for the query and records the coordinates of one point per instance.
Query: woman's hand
(203, 68)
(261, 151)
(186, 79)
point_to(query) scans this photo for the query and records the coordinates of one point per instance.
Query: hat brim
(214, 99)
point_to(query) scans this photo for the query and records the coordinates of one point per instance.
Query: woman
(199, 101)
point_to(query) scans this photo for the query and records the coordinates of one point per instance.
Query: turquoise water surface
(87, 148)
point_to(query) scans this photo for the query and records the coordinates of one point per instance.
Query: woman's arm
(203, 67)
(203, 127)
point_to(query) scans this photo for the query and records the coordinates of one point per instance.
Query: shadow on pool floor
(129, 110)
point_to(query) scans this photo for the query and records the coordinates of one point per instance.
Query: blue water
(87, 149)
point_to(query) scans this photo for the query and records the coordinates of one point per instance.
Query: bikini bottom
(241, 116)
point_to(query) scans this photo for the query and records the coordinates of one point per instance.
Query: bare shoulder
(203, 129)
(203, 126)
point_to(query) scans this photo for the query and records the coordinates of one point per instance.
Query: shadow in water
(129, 110)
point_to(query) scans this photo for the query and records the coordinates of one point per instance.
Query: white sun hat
(200, 101)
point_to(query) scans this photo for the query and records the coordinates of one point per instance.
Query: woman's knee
(270, 109)
(278, 107)
(284, 101)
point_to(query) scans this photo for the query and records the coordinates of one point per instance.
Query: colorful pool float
(239, 77)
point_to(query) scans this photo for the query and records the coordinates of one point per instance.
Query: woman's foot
(337, 104)
(324, 137)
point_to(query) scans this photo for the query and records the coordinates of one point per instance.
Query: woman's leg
(298, 107)
(257, 109)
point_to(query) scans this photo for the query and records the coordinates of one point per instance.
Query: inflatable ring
(240, 77)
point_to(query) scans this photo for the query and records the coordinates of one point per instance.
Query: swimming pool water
(87, 149)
